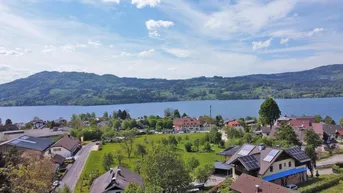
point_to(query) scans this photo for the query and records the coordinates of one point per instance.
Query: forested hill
(76, 88)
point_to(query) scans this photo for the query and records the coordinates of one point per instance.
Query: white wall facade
(60, 151)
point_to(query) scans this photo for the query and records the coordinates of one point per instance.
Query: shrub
(207, 147)
(338, 168)
(318, 186)
(188, 146)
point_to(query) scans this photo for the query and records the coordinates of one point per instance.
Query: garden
(204, 152)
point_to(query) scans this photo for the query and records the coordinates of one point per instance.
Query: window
(57, 149)
(280, 166)
(284, 164)
(271, 169)
(289, 164)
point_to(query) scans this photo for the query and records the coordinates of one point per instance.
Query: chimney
(261, 147)
(257, 188)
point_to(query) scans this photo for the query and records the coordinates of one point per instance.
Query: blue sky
(168, 38)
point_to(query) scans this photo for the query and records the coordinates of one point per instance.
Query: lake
(227, 108)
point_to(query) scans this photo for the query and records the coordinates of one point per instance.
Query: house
(339, 135)
(233, 123)
(58, 160)
(38, 123)
(250, 184)
(115, 181)
(230, 151)
(186, 124)
(222, 169)
(280, 166)
(329, 133)
(67, 146)
(25, 142)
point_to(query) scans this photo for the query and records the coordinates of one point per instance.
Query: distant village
(254, 156)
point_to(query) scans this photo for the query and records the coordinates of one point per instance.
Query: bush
(338, 168)
(207, 147)
(318, 186)
(188, 146)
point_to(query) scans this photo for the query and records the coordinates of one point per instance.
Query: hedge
(318, 186)
(337, 168)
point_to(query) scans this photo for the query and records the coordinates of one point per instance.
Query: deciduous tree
(140, 149)
(286, 133)
(128, 140)
(192, 163)
(202, 173)
(312, 138)
(328, 120)
(107, 161)
(318, 118)
(269, 111)
(164, 168)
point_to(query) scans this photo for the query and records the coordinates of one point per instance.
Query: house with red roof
(186, 124)
(233, 123)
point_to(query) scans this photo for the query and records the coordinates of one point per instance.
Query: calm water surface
(227, 108)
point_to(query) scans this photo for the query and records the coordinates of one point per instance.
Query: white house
(66, 147)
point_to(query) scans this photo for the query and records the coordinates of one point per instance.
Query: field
(94, 161)
(334, 189)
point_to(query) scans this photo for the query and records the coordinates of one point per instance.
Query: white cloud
(261, 44)
(143, 3)
(315, 31)
(181, 53)
(154, 26)
(125, 54)
(111, 1)
(81, 46)
(94, 43)
(4, 67)
(146, 53)
(68, 48)
(284, 40)
(15, 52)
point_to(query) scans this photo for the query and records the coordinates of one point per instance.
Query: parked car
(69, 160)
(292, 187)
(56, 183)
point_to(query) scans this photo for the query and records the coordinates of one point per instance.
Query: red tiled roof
(300, 123)
(233, 124)
(318, 128)
(340, 132)
(186, 122)
(247, 184)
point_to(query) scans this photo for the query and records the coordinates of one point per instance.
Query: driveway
(331, 160)
(76, 169)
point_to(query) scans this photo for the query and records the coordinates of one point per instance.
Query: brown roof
(236, 155)
(247, 184)
(318, 128)
(68, 142)
(186, 121)
(58, 159)
(300, 123)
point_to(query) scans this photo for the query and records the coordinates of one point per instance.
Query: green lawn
(94, 161)
(334, 189)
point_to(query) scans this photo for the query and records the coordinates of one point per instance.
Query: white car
(56, 183)
(292, 187)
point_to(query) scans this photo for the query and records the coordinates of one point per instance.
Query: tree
(219, 120)
(318, 118)
(105, 115)
(107, 161)
(152, 122)
(133, 123)
(286, 133)
(115, 115)
(192, 163)
(133, 188)
(207, 147)
(184, 115)
(115, 123)
(176, 114)
(140, 149)
(159, 125)
(93, 115)
(233, 133)
(328, 120)
(312, 138)
(127, 141)
(65, 189)
(33, 174)
(247, 138)
(196, 144)
(164, 168)
(75, 122)
(215, 136)
(168, 112)
(118, 155)
(8, 122)
(188, 146)
(168, 123)
(269, 111)
(201, 174)
(125, 124)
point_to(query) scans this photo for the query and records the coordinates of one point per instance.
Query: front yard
(94, 161)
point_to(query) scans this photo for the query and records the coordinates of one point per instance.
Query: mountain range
(79, 88)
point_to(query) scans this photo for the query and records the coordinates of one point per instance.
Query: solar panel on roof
(271, 155)
(249, 161)
(246, 150)
(297, 153)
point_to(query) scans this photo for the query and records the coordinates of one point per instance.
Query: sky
(172, 39)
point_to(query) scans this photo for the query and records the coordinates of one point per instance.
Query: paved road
(75, 171)
(331, 160)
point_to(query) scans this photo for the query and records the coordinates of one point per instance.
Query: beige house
(66, 146)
